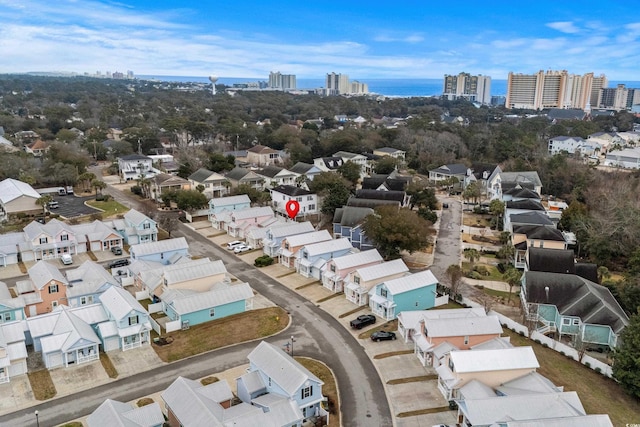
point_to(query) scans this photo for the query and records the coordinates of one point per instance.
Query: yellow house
(359, 282)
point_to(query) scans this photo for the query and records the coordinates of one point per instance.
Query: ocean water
(387, 87)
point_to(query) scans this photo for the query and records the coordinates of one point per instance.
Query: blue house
(135, 227)
(128, 323)
(163, 251)
(231, 203)
(272, 371)
(10, 308)
(311, 258)
(412, 292)
(347, 222)
(275, 234)
(87, 282)
(190, 307)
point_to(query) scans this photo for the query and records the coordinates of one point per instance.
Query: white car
(242, 248)
(66, 259)
(234, 244)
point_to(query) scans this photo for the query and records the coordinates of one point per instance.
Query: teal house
(191, 308)
(11, 309)
(411, 292)
(572, 306)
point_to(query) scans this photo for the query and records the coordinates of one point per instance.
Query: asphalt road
(71, 206)
(317, 335)
(448, 245)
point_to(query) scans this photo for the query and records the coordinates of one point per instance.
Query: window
(146, 226)
(333, 268)
(312, 207)
(309, 198)
(576, 322)
(286, 246)
(212, 312)
(53, 289)
(566, 321)
(356, 280)
(466, 340)
(299, 199)
(83, 300)
(6, 317)
(306, 392)
(64, 238)
(43, 240)
(133, 320)
(383, 293)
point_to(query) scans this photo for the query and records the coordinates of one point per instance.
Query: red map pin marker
(292, 208)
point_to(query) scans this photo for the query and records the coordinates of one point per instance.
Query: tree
(86, 179)
(496, 207)
(512, 277)
(98, 186)
(454, 274)
(386, 165)
(218, 162)
(190, 200)
(256, 196)
(168, 223)
(472, 192)
(394, 230)
(626, 365)
(335, 197)
(350, 171)
(44, 201)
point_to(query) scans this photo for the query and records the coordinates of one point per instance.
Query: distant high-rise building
(465, 86)
(358, 88)
(619, 98)
(278, 80)
(337, 84)
(551, 89)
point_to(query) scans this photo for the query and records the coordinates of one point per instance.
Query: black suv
(362, 321)
(118, 263)
(116, 250)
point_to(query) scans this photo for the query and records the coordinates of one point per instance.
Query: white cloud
(387, 38)
(567, 27)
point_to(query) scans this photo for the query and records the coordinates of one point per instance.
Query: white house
(283, 194)
(311, 258)
(135, 166)
(17, 196)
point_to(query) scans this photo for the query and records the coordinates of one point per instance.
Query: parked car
(116, 250)
(362, 321)
(53, 205)
(383, 336)
(66, 259)
(234, 244)
(118, 263)
(242, 248)
(445, 206)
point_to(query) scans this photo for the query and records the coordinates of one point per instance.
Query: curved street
(317, 335)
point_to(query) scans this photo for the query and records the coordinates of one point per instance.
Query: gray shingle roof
(528, 204)
(350, 216)
(552, 260)
(291, 190)
(397, 196)
(452, 169)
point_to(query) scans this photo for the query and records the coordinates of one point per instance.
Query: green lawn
(110, 208)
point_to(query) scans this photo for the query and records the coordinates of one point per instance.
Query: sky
(372, 39)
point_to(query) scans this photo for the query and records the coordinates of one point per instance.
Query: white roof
(462, 327)
(494, 343)
(159, 246)
(11, 332)
(191, 407)
(119, 302)
(280, 367)
(192, 271)
(251, 213)
(327, 247)
(88, 278)
(383, 270)
(600, 420)
(410, 282)
(187, 302)
(494, 360)
(290, 229)
(43, 272)
(117, 414)
(449, 313)
(11, 189)
(359, 258)
(66, 330)
(308, 238)
(231, 200)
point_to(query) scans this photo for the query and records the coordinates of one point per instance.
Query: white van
(66, 259)
(52, 204)
(234, 244)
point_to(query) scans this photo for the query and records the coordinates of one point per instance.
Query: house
(50, 240)
(573, 145)
(481, 173)
(359, 282)
(627, 158)
(348, 221)
(135, 166)
(526, 237)
(411, 292)
(274, 176)
(196, 275)
(237, 223)
(136, 227)
(306, 170)
(504, 181)
(336, 270)
(127, 326)
(401, 198)
(491, 367)
(10, 248)
(259, 155)
(519, 193)
(311, 257)
(275, 233)
(290, 245)
(162, 251)
(390, 152)
(114, 413)
(17, 196)
(274, 372)
(358, 159)
(190, 307)
(164, 182)
(214, 184)
(98, 236)
(572, 306)
(38, 148)
(230, 203)
(458, 329)
(256, 235)
(551, 260)
(13, 351)
(448, 172)
(165, 163)
(538, 218)
(328, 164)
(87, 282)
(283, 194)
(44, 290)
(63, 338)
(241, 176)
(514, 207)
(382, 182)
(559, 114)
(11, 309)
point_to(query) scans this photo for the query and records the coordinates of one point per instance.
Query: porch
(382, 307)
(357, 295)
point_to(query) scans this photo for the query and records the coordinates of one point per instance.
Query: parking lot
(71, 206)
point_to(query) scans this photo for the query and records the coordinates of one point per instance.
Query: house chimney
(546, 291)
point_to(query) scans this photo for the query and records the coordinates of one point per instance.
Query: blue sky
(374, 39)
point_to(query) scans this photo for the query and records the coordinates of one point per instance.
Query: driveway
(447, 249)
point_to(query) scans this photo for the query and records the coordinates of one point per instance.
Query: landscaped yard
(110, 208)
(230, 330)
(599, 394)
(42, 384)
(329, 389)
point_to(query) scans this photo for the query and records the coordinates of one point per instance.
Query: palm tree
(86, 179)
(512, 277)
(98, 186)
(44, 201)
(472, 255)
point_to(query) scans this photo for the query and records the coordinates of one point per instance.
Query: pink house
(336, 269)
(240, 220)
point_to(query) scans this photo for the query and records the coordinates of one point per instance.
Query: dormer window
(64, 238)
(43, 240)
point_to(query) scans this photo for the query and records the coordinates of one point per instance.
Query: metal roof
(410, 282)
(380, 271)
(494, 360)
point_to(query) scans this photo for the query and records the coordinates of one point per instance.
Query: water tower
(213, 80)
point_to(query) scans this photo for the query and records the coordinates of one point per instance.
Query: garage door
(54, 360)
(111, 344)
(18, 368)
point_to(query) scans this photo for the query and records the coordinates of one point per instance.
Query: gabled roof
(600, 420)
(575, 296)
(566, 114)
(385, 269)
(119, 302)
(67, 331)
(302, 168)
(552, 260)
(530, 383)
(261, 149)
(350, 216)
(521, 178)
(494, 360)
(43, 272)
(539, 232)
(410, 282)
(270, 171)
(389, 150)
(451, 169)
(396, 196)
(292, 190)
(132, 157)
(163, 179)
(238, 173)
(149, 248)
(534, 217)
(327, 247)
(11, 189)
(136, 218)
(183, 272)
(251, 212)
(526, 204)
(358, 258)
(185, 302)
(280, 367)
(52, 228)
(458, 327)
(202, 175)
(308, 238)
(522, 193)
(193, 408)
(331, 162)
(347, 155)
(88, 278)
(290, 229)
(230, 200)
(112, 413)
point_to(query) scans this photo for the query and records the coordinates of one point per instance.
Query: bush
(481, 269)
(137, 190)
(144, 402)
(501, 268)
(263, 261)
(598, 370)
(474, 275)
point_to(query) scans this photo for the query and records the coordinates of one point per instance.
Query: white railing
(83, 359)
(4, 379)
(131, 345)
